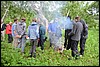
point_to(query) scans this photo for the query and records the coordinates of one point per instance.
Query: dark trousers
(82, 45)
(74, 47)
(10, 38)
(42, 43)
(38, 43)
(67, 39)
(33, 43)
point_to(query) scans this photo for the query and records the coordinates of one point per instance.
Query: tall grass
(11, 57)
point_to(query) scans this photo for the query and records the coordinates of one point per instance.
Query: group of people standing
(17, 30)
(75, 31)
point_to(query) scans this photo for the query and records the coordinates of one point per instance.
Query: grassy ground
(12, 57)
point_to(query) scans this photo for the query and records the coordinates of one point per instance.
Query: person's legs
(69, 39)
(8, 38)
(50, 39)
(3, 35)
(34, 48)
(31, 49)
(74, 48)
(15, 42)
(19, 42)
(65, 39)
(23, 43)
(42, 43)
(82, 46)
(69, 43)
(38, 42)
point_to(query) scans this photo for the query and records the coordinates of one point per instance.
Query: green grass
(11, 57)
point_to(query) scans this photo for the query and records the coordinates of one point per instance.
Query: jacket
(33, 31)
(21, 29)
(13, 28)
(42, 31)
(76, 31)
(3, 26)
(53, 27)
(9, 29)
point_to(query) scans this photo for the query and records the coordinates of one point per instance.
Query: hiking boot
(77, 56)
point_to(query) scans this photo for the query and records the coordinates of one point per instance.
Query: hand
(38, 39)
(18, 36)
(27, 37)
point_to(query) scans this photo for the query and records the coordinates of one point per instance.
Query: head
(56, 20)
(23, 20)
(15, 20)
(10, 23)
(38, 20)
(76, 19)
(34, 20)
(69, 16)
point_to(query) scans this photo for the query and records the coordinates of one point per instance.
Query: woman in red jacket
(9, 32)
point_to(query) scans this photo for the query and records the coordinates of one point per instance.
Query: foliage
(12, 57)
(77, 8)
(15, 12)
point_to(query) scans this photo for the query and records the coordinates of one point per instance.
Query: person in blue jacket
(52, 28)
(33, 34)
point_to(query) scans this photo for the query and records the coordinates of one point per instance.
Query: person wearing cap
(33, 34)
(9, 32)
(75, 37)
(84, 36)
(3, 27)
(14, 34)
(21, 31)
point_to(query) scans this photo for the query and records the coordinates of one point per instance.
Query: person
(76, 35)
(14, 34)
(42, 32)
(68, 28)
(84, 36)
(33, 34)
(9, 32)
(58, 40)
(21, 31)
(52, 29)
(3, 27)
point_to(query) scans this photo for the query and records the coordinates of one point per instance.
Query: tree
(77, 8)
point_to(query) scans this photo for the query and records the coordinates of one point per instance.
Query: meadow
(13, 57)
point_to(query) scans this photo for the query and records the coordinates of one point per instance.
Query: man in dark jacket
(3, 27)
(42, 31)
(76, 35)
(84, 36)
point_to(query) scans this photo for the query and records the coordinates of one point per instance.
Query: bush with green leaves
(13, 57)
